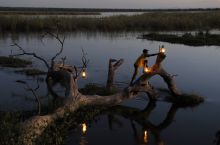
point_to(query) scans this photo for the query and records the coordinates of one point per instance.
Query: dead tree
(35, 126)
(73, 99)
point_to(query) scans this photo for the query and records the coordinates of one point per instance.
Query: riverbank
(154, 21)
(199, 39)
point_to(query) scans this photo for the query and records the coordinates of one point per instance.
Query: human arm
(149, 55)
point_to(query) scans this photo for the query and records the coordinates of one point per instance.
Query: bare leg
(134, 75)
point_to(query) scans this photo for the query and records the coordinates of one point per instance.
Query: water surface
(196, 67)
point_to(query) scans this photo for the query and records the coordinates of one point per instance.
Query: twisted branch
(29, 53)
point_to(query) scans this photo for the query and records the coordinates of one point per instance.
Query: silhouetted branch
(61, 42)
(33, 91)
(29, 53)
(113, 66)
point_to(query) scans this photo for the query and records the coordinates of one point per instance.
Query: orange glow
(162, 50)
(146, 69)
(84, 128)
(145, 137)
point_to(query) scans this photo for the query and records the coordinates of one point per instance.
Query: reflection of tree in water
(217, 138)
(141, 118)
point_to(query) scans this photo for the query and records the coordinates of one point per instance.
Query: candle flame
(145, 137)
(84, 128)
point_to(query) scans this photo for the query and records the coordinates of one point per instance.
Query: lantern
(146, 69)
(162, 49)
(83, 74)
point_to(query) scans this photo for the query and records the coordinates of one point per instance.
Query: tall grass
(157, 21)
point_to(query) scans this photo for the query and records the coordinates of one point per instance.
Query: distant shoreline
(71, 10)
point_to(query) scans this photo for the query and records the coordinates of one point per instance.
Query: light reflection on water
(197, 69)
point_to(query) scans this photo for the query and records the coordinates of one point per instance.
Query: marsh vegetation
(199, 39)
(155, 21)
(67, 122)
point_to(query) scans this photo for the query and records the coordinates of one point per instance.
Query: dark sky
(113, 3)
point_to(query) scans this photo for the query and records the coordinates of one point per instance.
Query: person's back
(140, 61)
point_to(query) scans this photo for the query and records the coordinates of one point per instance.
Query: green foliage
(13, 62)
(199, 39)
(154, 21)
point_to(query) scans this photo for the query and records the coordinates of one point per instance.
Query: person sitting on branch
(141, 62)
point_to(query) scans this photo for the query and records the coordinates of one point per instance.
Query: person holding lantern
(141, 62)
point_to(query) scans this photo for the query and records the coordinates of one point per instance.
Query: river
(197, 69)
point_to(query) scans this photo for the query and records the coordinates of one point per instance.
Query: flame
(84, 128)
(145, 137)
(83, 74)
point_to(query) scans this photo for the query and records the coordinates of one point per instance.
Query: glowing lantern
(145, 137)
(162, 49)
(84, 128)
(146, 69)
(83, 74)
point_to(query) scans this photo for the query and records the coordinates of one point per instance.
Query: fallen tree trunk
(35, 126)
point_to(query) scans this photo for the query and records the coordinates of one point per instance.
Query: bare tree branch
(33, 91)
(29, 53)
(60, 40)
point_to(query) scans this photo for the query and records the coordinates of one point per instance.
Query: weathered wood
(113, 66)
(35, 126)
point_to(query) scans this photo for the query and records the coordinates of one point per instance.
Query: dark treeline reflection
(217, 138)
(141, 117)
(150, 132)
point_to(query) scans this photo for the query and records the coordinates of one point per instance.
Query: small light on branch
(83, 74)
(162, 49)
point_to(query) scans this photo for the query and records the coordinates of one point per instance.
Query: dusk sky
(113, 3)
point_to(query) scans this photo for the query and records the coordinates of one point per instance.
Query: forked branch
(23, 52)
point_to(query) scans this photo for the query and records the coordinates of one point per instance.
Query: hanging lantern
(162, 49)
(83, 74)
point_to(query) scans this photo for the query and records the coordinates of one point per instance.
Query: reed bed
(155, 21)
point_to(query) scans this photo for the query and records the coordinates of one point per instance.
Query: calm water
(102, 14)
(198, 72)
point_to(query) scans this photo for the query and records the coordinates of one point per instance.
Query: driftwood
(73, 99)
(35, 126)
(111, 72)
